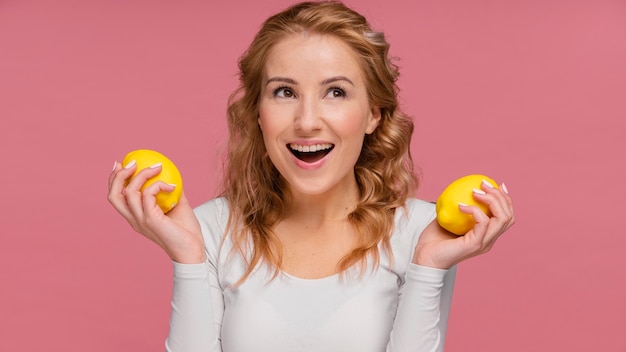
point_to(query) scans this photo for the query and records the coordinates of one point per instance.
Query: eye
(284, 92)
(336, 92)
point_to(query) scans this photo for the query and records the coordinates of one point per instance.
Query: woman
(316, 243)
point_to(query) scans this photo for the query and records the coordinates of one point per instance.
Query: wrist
(428, 261)
(195, 259)
(190, 255)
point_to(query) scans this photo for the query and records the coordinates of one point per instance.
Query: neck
(319, 209)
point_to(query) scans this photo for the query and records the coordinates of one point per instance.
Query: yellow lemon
(460, 191)
(169, 174)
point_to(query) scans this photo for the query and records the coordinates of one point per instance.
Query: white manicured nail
(114, 166)
(504, 188)
(155, 165)
(131, 164)
(172, 184)
(487, 183)
(463, 204)
(478, 191)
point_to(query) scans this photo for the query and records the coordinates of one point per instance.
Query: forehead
(312, 54)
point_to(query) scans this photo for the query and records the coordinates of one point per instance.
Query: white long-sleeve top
(398, 306)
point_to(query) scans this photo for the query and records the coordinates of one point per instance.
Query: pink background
(532, 93)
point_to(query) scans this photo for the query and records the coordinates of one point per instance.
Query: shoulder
(416, 212)
(410, 222)
(213, 218)
(212, 210)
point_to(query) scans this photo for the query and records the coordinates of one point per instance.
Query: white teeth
(310, 148)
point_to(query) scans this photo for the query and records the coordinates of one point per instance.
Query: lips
(310, 153)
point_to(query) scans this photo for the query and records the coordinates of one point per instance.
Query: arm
(196, 297)
(438, 248)
(425, 298)
(177, 232)
(197, 300)
(196, 306)
(422, 316)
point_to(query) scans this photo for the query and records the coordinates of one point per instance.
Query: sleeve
(422, 316)
(197, 300)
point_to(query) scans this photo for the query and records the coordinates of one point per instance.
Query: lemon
(169, 174)
(460, 191)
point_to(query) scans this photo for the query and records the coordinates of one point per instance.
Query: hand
(178, 232)
(439, 248)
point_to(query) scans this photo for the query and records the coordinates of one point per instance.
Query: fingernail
(129, 165)
(114, 166)
(487, 183)
(463, 204)
(155, 165)
(504, 188)
(172, 184)
(478, 191)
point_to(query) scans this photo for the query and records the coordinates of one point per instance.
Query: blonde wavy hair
(255, 190)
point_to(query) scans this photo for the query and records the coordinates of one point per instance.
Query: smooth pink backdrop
(532, 93)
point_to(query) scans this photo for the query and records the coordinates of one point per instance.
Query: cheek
(265, 123)
(274, 120)
(353, 123)
(270, 128)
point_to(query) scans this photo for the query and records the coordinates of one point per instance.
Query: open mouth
(310, 153)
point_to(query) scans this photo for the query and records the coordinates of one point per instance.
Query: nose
(308, 118)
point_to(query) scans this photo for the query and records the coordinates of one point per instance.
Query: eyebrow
(281, 79)
(324, 82)
(335, 79)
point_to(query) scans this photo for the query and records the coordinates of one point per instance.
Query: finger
(133, 190)
(153, 218)
(118, 176)
(504, 197)
(182, 208)
(492, 227)
(183, 213)
(116, 195)
(496, 199)
(497, 193)
(113, 173)
(509, 201)
(149, 194)
(502, 208)
(479, 230)
(485, 231)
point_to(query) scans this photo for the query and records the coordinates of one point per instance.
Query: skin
(313, 92)
(177, 233)
(441, 249)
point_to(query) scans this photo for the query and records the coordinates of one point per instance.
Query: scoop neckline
(302, 279)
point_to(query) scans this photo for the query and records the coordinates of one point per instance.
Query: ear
(374, 120)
